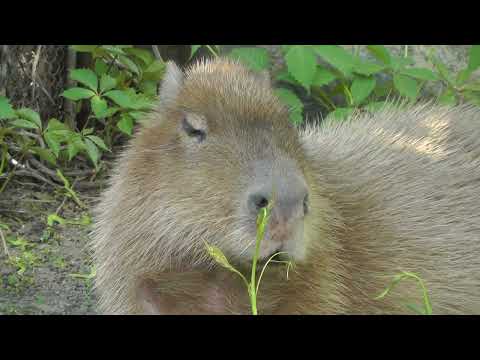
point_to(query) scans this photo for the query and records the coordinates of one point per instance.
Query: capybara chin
(354, 204)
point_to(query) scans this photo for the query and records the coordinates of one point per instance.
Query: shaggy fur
(397, 190)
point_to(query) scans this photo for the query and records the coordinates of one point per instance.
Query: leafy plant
(253, 285)
(342, 81)
(87, 276)
(69, 191)
(427, 307)
(120, 88)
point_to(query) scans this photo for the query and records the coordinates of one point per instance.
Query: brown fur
(399, 190)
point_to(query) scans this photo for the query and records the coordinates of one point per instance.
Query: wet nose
(289, 196)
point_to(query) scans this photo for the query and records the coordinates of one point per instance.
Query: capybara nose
(289, 196)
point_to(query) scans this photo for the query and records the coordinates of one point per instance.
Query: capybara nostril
(257, 201)
(306, 205)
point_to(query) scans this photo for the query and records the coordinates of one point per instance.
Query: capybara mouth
(275, 260)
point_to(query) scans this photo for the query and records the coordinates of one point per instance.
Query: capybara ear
(191, 293)
(171, 83)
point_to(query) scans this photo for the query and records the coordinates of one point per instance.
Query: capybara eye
(192, 132)
(305, 205)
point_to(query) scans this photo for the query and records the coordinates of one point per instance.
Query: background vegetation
(68, 157)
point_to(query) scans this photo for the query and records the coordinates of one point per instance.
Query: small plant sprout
(253, 285)
(427, 307)
(89, 276)
(69, 190)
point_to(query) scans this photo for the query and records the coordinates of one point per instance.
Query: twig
(79, 173)
(13, 211)
(34, 69)
(31, 173)
(4, 244)
(61, 205)
(68, 105)
(14, 162)
(39, 84)
(42, 168)
(34, 136)
(87, 185)
(156, 52)
(211, 50)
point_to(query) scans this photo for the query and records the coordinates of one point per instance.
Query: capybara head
(225, 150)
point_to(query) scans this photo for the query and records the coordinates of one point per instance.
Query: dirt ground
(47, 269)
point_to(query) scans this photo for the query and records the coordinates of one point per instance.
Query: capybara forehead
(228, 94)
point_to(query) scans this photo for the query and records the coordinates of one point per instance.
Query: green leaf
(383, 89)
(361, 88)
(45, 154)
(296, 118)
(420, 73)
(112, 111)
(142, 54)
(290, 99)
(416, 309)
(442, 70)
(284, 75)
(142, 102)
(24, 124)
(323, 77)
(113, 49)
(101, 67)
(375, 106)
(406, 86)
(98, 141)
(220, 258)
(107, 82)
(121, 97)
(256, 59)
(398, 63)
(129, 64)
(75, 145)
(302, 64)
(194, 49)
(85, 76)
(92, 151)
(126, 124)
(367, 68)
(154, 71)
(472, 97)
(55, 125)
(87, 131)
(137, 115)
(448, 98)
(473, 86)
(53, 141)
(84, 48)
(462, 76)
(286, 48)
(54, 218)
(6, 110)
(30, 115)
(474, 59)
(77, 93)
(149, 87)
(99, 106)
(340, 113)
(336, 56)
(380, 52)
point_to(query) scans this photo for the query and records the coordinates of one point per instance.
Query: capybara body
(354, 204)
